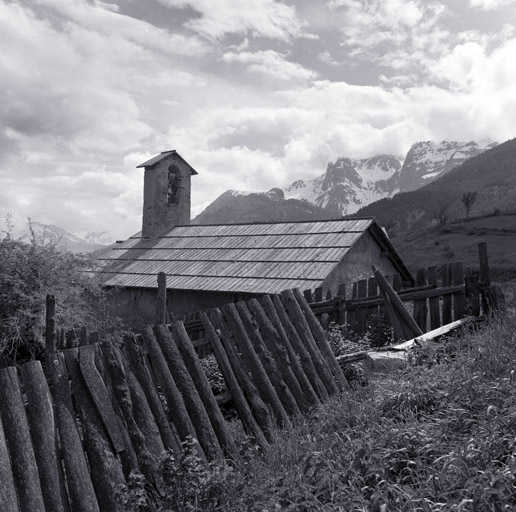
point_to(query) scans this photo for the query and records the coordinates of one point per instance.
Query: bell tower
(166, 193)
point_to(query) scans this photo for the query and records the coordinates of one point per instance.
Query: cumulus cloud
(488, 5)
(271, 64)
(258, 18)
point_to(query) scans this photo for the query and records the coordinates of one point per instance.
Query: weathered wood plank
(447, 299)
(79, 484)
(241, 405)
(142, 374)
(105, 467)
(260, 410)
(305, 335)
(262, 380)
(322, 343)
(294, 359)
(472, 292)
(275, 344)
(17, 435)
(8, 499)
(43, 433)
(269, 364)
(148, 464)
(459, 299)
(361, 312)
(420, 306)
(177, 410)
(192, 400)
(161, 299)
(433, 302)
(203, 388)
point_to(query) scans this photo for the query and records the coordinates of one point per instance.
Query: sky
(254, 94)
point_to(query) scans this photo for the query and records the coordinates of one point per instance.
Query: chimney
(166, 193)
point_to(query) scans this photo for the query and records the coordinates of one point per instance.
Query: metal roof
(164, 154)
(253, 258)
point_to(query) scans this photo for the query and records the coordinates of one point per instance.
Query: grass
(439, 435)
(458, 241)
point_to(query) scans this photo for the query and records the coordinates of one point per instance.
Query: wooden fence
(69, 439)
(440, 295)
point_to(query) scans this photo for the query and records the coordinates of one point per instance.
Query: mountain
(348, 184)
(49, 233)
(233, 206)
(427, 161)
(491, 174)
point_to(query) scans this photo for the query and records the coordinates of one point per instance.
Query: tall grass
(439, 435)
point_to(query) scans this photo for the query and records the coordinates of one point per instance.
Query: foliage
(468, 200)
(28, 272)
(213, 374)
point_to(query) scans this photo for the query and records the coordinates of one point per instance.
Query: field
(457, 241)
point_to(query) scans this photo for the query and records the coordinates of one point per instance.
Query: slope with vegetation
(492, 175)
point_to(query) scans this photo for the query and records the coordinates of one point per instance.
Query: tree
(441, 215)
(468, 200)
(30, 271)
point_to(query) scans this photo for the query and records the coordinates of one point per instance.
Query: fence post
(435, 317)
(161, 299)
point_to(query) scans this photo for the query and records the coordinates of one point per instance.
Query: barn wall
(357, 264)
(137, 306)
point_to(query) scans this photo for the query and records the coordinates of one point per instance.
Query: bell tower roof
(165, 154)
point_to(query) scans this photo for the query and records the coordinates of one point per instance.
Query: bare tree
(468, 200)
(441, 215)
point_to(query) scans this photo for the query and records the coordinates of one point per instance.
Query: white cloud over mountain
(252, 93)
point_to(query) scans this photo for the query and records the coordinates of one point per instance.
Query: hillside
(233, 206)
(458, 241)
(491, 174)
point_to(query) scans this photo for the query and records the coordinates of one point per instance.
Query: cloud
(271, 64)
(489, 5)
(257, 18)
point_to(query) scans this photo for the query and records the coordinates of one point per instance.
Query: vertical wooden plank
(275, 344)
(308, 296)
(319, 294)
(341, 305)
(435, 317)
(119, 377)
(298, 348)
(322, 343)
(269, 364)
(293, 358)
(176, 406)
(43, 433)
(161, 299)
(105, 467)
(50, 328)
(447, 299)
(192, 400)
(372, 291)
(8, 499)
(80, 487)
(305, 335)
(459, 302)
(255, 366)
(362, 311)
(352, 312)
(396, 282)
(203, 388)
(16, 429)
(472, 292)
(420, 308)
(260, 410)
(241, 405)
(143, 376)
(409, 326)
(485, 279)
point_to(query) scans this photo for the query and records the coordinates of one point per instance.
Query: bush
(30, 271)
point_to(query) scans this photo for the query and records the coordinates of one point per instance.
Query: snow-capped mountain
(49, 233)
(428, 160)
(350, 184)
